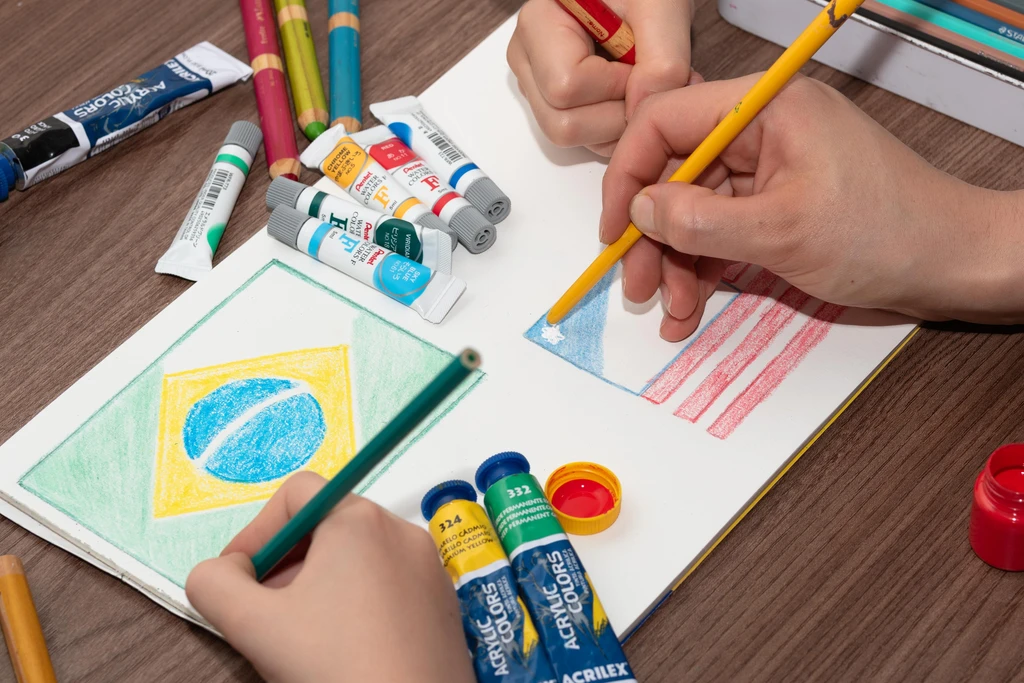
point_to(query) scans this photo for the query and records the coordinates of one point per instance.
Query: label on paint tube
(407, 119)
(404, 164)
(424, 245)
(430, 294)
(572, 624)
(501, 636)
(47, 147)
(341, 159)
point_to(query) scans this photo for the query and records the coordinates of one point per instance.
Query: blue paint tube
(502, 640)
(570, 619)
(54, 144)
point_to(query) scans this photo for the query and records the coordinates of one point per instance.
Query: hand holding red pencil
(578, 94)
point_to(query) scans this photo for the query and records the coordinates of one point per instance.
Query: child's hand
(818, 193)
(365, 600)
(581, 99)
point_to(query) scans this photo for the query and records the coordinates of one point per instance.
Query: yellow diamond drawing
(231, 433)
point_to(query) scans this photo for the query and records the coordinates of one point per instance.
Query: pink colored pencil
(271, 88)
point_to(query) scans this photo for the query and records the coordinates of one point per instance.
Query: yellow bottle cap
(586, 497)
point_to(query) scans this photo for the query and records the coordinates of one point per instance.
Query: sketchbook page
(139, 464)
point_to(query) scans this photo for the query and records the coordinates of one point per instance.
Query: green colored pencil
(343, 483)
(303, 70)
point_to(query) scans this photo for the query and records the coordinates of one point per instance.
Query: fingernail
(666, 297)
(641, 212)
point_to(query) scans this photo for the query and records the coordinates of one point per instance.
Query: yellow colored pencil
(767, 87)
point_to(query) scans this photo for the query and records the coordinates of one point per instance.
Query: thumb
(695, 220)
(225, 592)
(661, 29)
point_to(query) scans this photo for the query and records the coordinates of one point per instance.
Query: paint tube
(47, 147)
(469, 225)
(191, 253)
(342, 160)
(501, 636)
(432, 248)
(409, 121)
(572, 624)
(428, 293)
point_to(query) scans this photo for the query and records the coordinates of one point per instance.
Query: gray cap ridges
(429, 220)
(494, 204)
(283, 192)
(474, 231)
(285, 223)
(246, 135)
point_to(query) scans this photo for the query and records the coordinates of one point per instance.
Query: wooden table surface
(855, 567)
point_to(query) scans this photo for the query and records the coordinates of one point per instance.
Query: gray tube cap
(484, 194)
(473, 230)
(283, 192)
(246, 135)
(285, 224)
(429, 220)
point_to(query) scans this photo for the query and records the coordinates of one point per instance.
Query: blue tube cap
(7, 178)
(500, 466)
(446, 492)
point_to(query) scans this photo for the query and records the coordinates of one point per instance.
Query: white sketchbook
(145, 465)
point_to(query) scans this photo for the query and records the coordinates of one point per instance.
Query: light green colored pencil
(303, 70)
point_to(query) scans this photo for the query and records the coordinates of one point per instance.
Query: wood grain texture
(855, 567)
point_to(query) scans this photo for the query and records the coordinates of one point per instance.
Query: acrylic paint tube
(409, 121)
(342, 160)
(432, 248)
(428, 293)
(572, 624)
(47, 147)
(473, 230)
(191, 253)
(501, 636)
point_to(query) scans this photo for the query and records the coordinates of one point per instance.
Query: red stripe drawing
(734, 272)
(753, 345)
(769, 379)
(711, 339)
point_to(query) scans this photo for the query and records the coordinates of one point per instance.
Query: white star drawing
(552, 335)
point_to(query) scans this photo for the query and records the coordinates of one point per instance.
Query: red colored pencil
(271, 88)
(604, 26)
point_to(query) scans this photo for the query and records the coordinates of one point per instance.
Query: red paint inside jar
(1012, 478)
(583, 498)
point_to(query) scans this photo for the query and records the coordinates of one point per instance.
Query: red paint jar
(997, 515)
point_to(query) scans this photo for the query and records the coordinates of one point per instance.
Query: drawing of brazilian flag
(184, 455)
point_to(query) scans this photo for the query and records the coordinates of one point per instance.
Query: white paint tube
(432, 295)
(191, 253)
(341, 159)
(474, 231)
(432, 248)
(409, 121)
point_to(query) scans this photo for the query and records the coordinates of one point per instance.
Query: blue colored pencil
(977, 18)
(343, 43)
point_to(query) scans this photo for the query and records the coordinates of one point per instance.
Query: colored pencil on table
(604, 26)
(767, 87)
(25, 643)
(343, 44)
(271, 90)
(371, 455)
(303, 70)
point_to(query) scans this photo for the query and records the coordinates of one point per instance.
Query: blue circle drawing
(254, 430)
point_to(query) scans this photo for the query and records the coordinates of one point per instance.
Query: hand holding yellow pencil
(769, 85)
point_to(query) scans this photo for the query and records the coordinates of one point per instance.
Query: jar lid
(586, 497)
(997, 513)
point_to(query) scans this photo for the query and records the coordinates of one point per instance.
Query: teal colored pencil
(343, 483)
(951, 23)
(343, 44)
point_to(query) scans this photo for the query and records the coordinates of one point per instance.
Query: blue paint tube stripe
(463, 170)
(317, 239)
